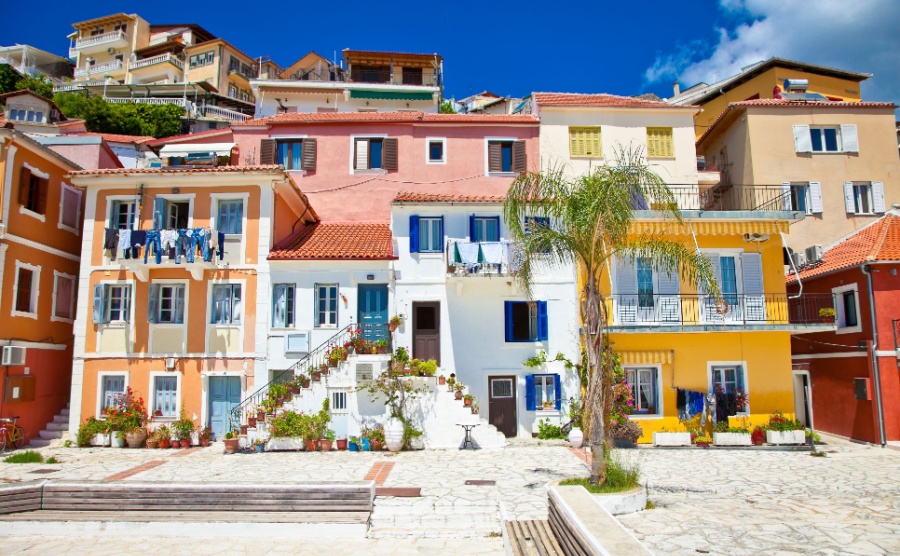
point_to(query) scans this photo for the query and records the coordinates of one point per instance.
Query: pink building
(351, 165)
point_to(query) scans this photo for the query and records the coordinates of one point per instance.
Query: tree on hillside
(130, 119)
(8, 78)
(11, 80)
(592, 221)
(446, 107)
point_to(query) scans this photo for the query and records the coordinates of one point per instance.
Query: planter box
(731, 439)
(621, 503)
(788, 437)
(671, 439)
(285, 443)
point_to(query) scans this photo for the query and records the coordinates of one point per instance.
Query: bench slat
(182, 516)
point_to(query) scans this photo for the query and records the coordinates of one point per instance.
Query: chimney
(676, 88)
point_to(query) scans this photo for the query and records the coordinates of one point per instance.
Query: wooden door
(372, 311)
(502, 404)
(224, 395)
(427, 331)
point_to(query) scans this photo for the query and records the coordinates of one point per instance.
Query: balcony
(167, 58)
(211, 111)
(725, 198)
(79, 85)
(114, 67)
(141, 260)
(99, 43)
(394, 78)
(184, 103)
(708, 172)
(487, 258)
(697, 313)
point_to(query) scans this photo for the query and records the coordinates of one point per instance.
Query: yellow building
(223, 66)
(765, 80)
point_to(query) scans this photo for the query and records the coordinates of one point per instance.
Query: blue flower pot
(260, 448)
(353, 446)
(365, 444)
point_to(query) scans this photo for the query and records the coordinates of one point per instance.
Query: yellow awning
(646, 357)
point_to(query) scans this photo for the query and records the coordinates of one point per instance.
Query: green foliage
(428, 368)
(620, 476)
(8, 78)
(778, 422)
(741, 426)
(447, 108)
(183, 428)
(130, 119)
(67, 444)
(88, 429)
(626, 430)
(52, 460)
(25, 457)
(548, 431)
(702, 439)
(536, 360)
(38, 85)
(302, 425)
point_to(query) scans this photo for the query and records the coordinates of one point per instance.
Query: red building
(853, 371)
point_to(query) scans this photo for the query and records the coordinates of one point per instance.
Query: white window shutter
(848, 197)
(786, 195)
(878, 196)
(362, 154)
(669, 284)
(849, 138)
(716, 264)
(802, 141)
(626, 277)
(751, 268)
(815, 197)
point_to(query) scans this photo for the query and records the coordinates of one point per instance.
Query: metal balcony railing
(484, 258)
(394, 78)
(654, 310)
(152, 61)
(727, 198)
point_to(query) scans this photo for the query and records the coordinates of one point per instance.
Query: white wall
(266, 104)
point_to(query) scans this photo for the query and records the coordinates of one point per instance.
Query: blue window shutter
(507, 306)
(441, 236)
(543, 328)
(557, 403)
(99, 312)
(413, 233)
(529, 391)
(472, 227)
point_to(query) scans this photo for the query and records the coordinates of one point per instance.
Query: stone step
(54, 426)
(40, 442)
(50, 435)
(424, 517)
(64, 411)
(61, 419)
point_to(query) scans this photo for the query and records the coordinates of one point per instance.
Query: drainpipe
(875, 370)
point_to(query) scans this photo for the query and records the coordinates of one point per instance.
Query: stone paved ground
(720, 501)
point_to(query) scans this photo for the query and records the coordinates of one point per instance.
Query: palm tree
(591, 220)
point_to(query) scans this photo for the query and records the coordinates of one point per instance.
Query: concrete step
(61, 419)
(54, 426)
(64, 411)
(50, 435)
(40, 442)
(428, 517)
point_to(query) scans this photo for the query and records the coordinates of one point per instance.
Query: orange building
(183, 332)
(40, 243)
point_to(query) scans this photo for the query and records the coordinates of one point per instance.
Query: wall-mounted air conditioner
(814, 253)
(799, 259)
(296, 342)
(13, 356)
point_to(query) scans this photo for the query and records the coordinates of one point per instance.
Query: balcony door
(427, 331)
(224, 395)
(372, 311)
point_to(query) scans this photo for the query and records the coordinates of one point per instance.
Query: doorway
(502, 404)
(372, 311)
(224, 395)
(802, 403)
(427, 331)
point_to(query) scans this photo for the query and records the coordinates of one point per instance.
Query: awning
(646, 357)
(391, 95)
(221, 149)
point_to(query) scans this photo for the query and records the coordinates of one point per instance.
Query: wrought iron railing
(724, 198)
(731, 309)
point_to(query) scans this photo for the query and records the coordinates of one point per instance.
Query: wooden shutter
(495, 158)
(179, 304)
(23, 294)
(508, 320)
(267, 151)
(849, 201)
(878, 196)
(24, 185)
(519, 158)
(361, 157)
(751, 268)
(815, 197)
(414, 233)
(529, 392)
(99, 304)
(389, 154)
(309, 155)
(557, 391)
(40, 204)
(543, 329)
(669, 283)
(849, 139)
(786, 202)
(802, 140)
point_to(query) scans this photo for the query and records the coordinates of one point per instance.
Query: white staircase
(433, 516)
(441, 424)
(55, 431)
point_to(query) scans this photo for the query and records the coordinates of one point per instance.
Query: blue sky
(516, 48)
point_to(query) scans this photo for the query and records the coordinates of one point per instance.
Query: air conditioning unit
(814, 253)
(296, 342)
(799, 259)
(13, 356)
(756, 237)
(110, 50)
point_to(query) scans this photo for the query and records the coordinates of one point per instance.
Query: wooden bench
(532, 538)
(20, 497)
(585, 528)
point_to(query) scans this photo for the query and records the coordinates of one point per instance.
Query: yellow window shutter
(584, 141)
(659, 142)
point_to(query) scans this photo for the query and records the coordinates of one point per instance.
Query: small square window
(435, 151)
(339, 401)
(25, 291)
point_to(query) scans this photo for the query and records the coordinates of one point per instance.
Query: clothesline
(186, 242)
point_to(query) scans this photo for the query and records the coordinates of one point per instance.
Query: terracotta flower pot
(325, 445)
(702, 444)
(165, 443)
(311, 445)
(243, 429)
(204, 442)
(251, 422)
(341, 443)
(458, 395)
(317, 376)
(392, 326)
(260, 415)
(153, 444)
(467, 402)
(442, 381)
(279, 402)
(376, 446)
(231, 445)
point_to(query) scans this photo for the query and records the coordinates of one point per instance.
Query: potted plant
(353, 444)
(251, 420)
(758, 437)
(736, 435)
(204, 435)
(394, 323)
(459, 387)
(325, 443)
(260, 444)
(475, 408)
(468, 399)
(260, 414)
(547, 405)
(152, 441)
(450, 382)
(317, 375)
(184, 428)
(703, 441)
(341, 443)
(231, 442)
(625, 433)
(118, 439)
(376, 438)
(129, 416)
(442, 380)
(380, 346)
(163, 436)
(827, 314)
(428, 368)
(781, 430)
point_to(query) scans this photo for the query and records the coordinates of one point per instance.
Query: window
(290, 154)
(234, 64)
(63, 297)
(283, 306)
(542, 392)
(435, 151)
(338, 401)
(232, 91)
(506, 157)
(728, 279)
(165, 396)
(226, 307)
(584, 142)
(112, 303)
(375, 154)
(526, 321)
(230, 219)
(532, 222)
(166, 303)
(730, 380)
(194, 61)
(863, 197)
(848, 304)
(121, 27)
(112, 386)
(169, 214)
(485, 228)
(797, 197)
(69, 208)
(326, 305)
(26, 290)
(643, 384)
(123, 215)
(430, 235)
(659, 142)
(847, 309)
(33, 191)
(825, 139)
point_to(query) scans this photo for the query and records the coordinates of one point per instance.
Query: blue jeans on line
(153, 241)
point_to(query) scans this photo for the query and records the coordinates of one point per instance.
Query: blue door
(224, 395)
(373, 311)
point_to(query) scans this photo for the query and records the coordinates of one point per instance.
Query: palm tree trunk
(594, 313)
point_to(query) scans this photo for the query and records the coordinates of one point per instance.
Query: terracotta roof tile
(119, 138)
(188, 136)
(337, 241)
(412, 197)
(389, 117)
(600, 100)
(879, 241)
(274, 168)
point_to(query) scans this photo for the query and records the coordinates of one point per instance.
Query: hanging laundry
(138, 240)
(681, 404)
(110, 240)
(468, 253)
(492, 252)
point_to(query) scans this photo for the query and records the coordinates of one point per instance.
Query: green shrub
(620, 476)
(25, 457)
(546, 431)
(88, 429)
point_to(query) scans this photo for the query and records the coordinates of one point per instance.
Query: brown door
(427, 331)
(502, 404)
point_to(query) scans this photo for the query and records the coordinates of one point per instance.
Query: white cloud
(857, 36)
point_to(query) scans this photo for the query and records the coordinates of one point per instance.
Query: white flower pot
(117, 441)
(393, 435)
(786, 437)
(417, 443)
(671, 439)
(732, 439)
(101, 440)
(576, 438)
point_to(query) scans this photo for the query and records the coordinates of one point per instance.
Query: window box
(786, 437)
(731, 439)
(671, 439)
